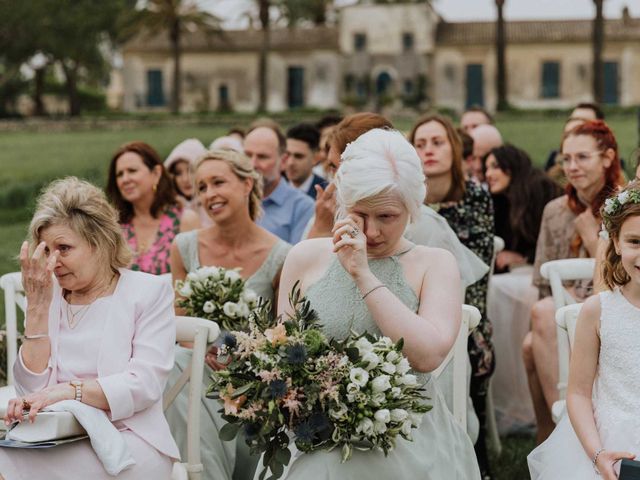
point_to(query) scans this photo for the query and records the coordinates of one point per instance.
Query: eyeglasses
(580, 158)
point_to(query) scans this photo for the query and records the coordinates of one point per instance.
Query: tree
(263, 70)
(175, 17)
(295, 11)
(501, 76)
(597, 38)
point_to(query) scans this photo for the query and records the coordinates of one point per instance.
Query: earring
(155, 188)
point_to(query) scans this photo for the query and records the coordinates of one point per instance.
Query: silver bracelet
(35, 337)
(595, 460)
(373, 290)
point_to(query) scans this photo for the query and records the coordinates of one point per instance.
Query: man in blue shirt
(286, 209)
(302, 147)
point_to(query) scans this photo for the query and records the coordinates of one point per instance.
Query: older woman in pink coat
(95, 333)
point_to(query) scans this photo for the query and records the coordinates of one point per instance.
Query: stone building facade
(381, 55)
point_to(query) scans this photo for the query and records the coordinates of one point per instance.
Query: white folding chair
(200, 332)
(566, 319)
(492, 425)
(14, 298)
(558, 271)
(458, 354)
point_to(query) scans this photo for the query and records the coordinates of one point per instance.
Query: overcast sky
(467, 10)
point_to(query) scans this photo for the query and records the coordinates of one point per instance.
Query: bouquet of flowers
(286, 381)
(218, 294)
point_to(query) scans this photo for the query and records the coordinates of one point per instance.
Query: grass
(31, 159)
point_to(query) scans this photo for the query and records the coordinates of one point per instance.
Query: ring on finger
(25, 405)
(353, 233)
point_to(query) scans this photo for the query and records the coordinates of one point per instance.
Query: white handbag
(47, 427)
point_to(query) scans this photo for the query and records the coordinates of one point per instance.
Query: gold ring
(25, 405)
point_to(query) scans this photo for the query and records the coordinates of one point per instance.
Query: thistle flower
(277, 388)
(296, 354)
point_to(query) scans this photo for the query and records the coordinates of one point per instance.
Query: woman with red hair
(569, 229)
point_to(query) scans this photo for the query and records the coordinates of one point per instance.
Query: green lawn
(29, 160)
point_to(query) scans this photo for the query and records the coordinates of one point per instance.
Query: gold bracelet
(373, 290)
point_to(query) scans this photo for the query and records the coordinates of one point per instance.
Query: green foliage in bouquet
(217, 294)
(286, 380)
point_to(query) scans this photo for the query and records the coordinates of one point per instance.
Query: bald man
(286, 209)
(485, 138)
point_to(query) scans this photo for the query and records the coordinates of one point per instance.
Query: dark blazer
(317, 180)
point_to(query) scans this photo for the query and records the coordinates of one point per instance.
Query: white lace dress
(616, 398)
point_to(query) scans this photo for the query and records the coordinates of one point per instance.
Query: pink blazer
(134, 360)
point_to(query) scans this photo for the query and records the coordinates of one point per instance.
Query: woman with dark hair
(520, 193)
(569, 229)
(468, 209)
(142, 192)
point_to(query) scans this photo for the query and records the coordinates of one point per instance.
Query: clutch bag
(629, 470)
(47, 427)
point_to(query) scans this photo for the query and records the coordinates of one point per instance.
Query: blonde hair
(242, 167)
(380, 161)
(613, 272)
(84, 208)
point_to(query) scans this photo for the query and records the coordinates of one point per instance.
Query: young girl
(604, 409)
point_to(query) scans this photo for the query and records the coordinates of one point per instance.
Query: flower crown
(613, 206)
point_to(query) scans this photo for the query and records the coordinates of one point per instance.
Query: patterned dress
(155, 259)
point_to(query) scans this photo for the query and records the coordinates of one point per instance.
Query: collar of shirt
(279, 194)
(304, 186)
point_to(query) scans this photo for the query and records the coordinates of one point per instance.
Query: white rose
(416, 419)
(372, 360)
(379, 427)
(392, 356)
(381, 383)
(232, 276)
(383, 415)
(250, 297)
(186, 291)
(230, 309)
(403, 366)
(338, 411)
(208, 307)
(364, 346)
(409, 379)
(359, 376)
(396, 392)
(384, 342)
(399, 415)
(388, 368)
(352, 388)
(406, 428)
(378, 398)
(365, 426)
(193, 276)
(214, 273)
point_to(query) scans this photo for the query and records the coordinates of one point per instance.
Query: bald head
(485, 138)
(262, 146)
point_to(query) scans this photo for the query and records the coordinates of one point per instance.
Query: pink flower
(276, 335)
(231, 405)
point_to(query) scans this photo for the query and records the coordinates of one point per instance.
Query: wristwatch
(77, 384)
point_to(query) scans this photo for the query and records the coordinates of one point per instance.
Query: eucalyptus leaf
(229, 431)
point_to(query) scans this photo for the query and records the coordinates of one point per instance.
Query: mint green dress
(221, 460)
(440, 450)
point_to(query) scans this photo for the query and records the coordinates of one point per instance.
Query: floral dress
(155, 259)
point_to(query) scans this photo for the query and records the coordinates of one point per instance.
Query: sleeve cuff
(29, 381)
(118, 396)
